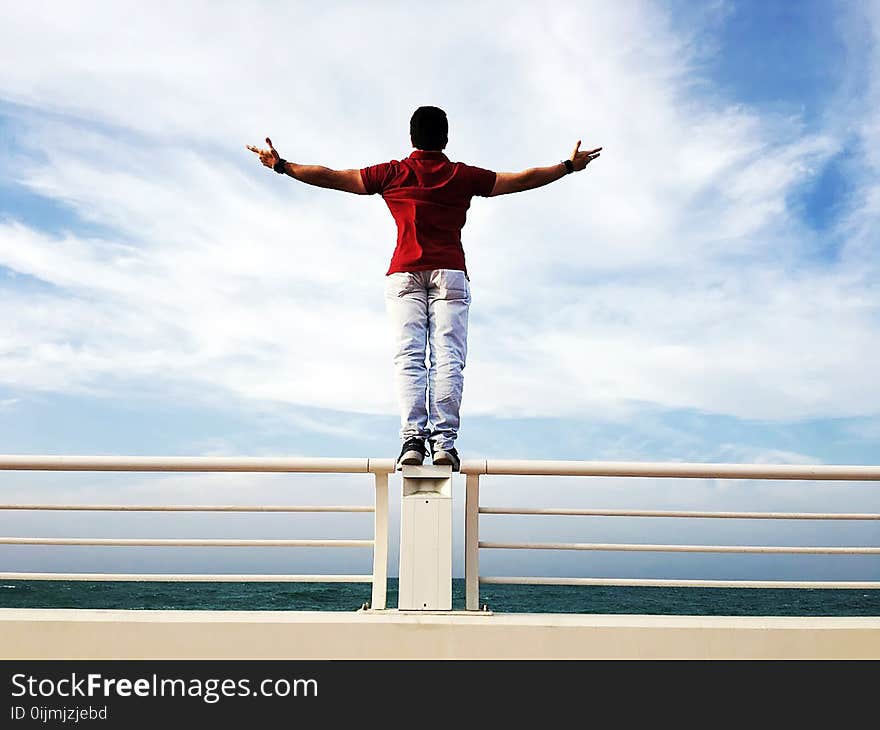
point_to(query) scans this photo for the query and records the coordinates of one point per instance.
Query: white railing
(474, 469)
(380, 468)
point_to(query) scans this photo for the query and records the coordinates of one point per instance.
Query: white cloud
(672, 273)
(739, 453)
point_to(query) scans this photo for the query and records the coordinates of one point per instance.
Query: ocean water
(498, 598)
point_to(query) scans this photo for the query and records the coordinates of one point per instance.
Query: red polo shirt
(428, 196)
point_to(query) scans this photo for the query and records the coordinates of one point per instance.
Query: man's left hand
(580, 159)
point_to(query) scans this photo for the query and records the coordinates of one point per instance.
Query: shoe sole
(444, 459)
(411, 458)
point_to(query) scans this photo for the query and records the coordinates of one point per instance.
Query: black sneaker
(413, 452)
(446, 457)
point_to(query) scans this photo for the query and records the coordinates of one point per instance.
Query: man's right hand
(268, 157)
(581, 159)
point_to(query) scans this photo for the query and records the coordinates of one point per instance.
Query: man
(427, 288)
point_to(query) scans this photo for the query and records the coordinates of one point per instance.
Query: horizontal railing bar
(670, 469)
(186, 508)
(689, 513)
(665, 583)
(472, 466)
(679, 548)
(196, 464)
(193, 578)
(174, 542)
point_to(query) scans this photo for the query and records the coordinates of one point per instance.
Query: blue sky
(705, 292)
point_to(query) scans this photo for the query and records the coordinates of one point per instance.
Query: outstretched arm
(535, 177)
(348, 181)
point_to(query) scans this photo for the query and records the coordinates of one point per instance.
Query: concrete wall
(114, 634)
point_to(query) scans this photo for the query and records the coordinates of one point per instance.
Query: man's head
(428, 128)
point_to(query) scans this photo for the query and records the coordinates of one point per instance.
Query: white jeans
(429, 308)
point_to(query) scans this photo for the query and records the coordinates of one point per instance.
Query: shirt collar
(428, 155)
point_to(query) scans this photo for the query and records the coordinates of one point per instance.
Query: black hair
(429, 128)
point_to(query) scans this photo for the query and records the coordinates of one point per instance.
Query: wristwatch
(569, 166)
(280, 166)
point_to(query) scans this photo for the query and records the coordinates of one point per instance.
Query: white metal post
(380, 543)
(472, 542)
(426, 539)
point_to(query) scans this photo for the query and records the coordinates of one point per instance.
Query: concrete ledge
(116, 634)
